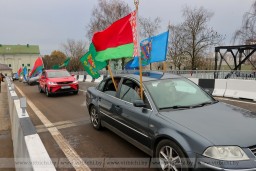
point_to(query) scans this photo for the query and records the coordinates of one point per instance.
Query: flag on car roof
(153, 49)
(37, 68)
(91, 65)
(118, 40)
(65, 63)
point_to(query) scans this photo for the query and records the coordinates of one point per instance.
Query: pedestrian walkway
(6, 147)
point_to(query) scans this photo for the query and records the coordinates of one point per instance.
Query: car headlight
(75, 82)
(52, 83)
(227, 153)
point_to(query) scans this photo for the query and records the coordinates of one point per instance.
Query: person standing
(1, 79)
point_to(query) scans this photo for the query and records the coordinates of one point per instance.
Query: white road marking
(235, 100)
(69, 152)
(83, 90)
(64, 124)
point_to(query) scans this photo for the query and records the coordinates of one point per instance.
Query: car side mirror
(139, 103)
(72, 75)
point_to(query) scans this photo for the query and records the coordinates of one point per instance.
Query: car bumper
(207, 166)
(55, 89)
(204, 163)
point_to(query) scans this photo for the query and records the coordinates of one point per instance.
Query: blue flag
(153, 49)
(25, 73)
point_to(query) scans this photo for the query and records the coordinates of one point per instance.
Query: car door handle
(117, 107)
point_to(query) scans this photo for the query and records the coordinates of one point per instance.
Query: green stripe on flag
(115, 53)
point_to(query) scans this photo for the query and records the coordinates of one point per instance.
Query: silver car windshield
(177, 93)
(57, 74)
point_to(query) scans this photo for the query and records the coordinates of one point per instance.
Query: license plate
(65, 87)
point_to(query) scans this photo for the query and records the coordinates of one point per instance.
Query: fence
(204, 74)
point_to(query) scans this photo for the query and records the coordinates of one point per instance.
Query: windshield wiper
(176, 107)
(189, 107)
(205, 103)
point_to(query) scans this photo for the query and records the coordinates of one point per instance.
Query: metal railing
(204, 74)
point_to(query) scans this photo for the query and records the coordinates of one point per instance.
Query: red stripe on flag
(119, 33)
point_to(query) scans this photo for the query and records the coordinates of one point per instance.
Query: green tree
(56, 58)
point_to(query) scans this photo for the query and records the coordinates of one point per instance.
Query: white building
(16, 56)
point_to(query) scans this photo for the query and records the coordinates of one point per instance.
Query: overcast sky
(49, 23)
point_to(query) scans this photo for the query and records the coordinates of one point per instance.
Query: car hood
(63, 79)
(219, 123)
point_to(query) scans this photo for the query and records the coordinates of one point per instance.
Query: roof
(151, 76)
(19, 49)
(4, 67)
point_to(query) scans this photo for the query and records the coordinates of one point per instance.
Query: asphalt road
(68, 113)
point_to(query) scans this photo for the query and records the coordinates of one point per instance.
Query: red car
(57, 81)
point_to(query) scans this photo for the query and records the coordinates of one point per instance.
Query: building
(16, 56)
(5, 70)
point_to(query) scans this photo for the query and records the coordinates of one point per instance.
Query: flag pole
(111, 74)
(164, 66)
(136, 3)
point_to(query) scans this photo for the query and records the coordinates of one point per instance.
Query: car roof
(150, 76)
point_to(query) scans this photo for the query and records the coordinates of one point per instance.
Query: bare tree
(198, 37)
(247, 33)
(175, 46)
(149, 27)
(75, 50)
(105, 13)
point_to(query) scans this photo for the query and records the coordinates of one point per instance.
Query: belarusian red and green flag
(91, 65)
(37, 68)
(118, 40)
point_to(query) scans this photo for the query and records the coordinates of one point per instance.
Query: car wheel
(40, 89)
(170, 156)
(47, 92)
(75, 92)
(95, 120)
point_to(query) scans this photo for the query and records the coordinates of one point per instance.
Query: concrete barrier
(220, 87)
(99, 79)
(241, 89)
(207, 85)
(29, 151)
(89, 78)
(80, 78)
